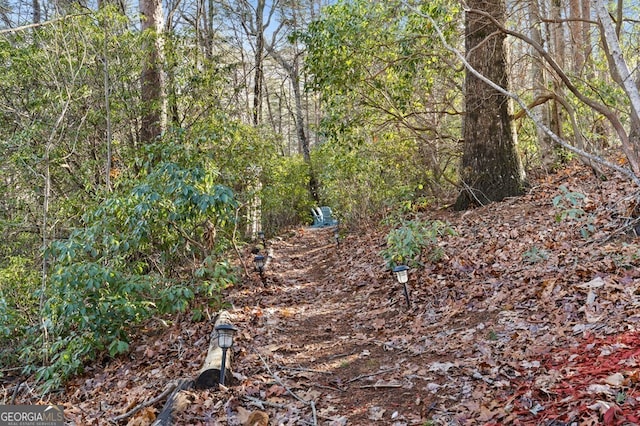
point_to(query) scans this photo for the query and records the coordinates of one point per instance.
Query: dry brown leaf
(243, 415)
(276, 390)
(144, 417)
(182, 401)
(252, 418)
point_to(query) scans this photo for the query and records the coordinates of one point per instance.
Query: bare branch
(626, 172)
(42, 24)
(596, 106)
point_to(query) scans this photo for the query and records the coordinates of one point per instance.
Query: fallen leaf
(378, 323)
(441, 367)
(276, 390)
(376, 413)
(144, 417)
(601, 389)
(257, 418)
(616, 379)
(243, 415)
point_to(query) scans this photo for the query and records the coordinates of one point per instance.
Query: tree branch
(42, 24)
(626, 172)
(596, 106)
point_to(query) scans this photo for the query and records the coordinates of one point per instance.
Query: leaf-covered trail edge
(524, 322)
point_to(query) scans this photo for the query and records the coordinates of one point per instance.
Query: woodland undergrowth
(505, 324)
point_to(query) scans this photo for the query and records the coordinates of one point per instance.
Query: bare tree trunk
(302, 135)
(575, 29)
(542, 113)
(259, 56)
(292, 69)
(107, 106)
(153, 84)
(491, 169)
(621, 71)
(37, 16)
(556, 34)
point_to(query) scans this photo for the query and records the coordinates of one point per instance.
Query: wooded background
(141, 144)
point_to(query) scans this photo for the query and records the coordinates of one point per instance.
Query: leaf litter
(524, 321)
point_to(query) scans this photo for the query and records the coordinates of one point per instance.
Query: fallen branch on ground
(312, 404)
(170, 387)
(164, 418)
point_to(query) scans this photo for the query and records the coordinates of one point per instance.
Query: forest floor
(526, 320)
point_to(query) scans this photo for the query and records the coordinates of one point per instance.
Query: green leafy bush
(286, 199)
(19, 284)
(407, 243)
(144, 252)
(570, 207)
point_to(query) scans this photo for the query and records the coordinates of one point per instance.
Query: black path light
(261, 236)
(225, 341)
(402, 275)
(336, 234)
(259, 262)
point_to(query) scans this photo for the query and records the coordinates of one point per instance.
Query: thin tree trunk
(542, 113)
(621, 69)
(303, 141)
(153, 99)
(259, 55)
(37, 17)
(575, 29)
(107, 106)
(556, 34)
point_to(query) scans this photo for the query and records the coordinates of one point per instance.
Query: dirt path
(316, 329)
(323, 343)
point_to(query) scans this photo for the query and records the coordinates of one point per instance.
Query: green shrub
(19, 284)
(569, 205)
(142, 253)
(286, 198)
(407, 243)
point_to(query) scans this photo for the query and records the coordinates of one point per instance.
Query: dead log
(209, 375)
(165, 418)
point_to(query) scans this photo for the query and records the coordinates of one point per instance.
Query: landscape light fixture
(402, 275)
(261, 236)
(259, 262)
(336, 234)
(225, 341)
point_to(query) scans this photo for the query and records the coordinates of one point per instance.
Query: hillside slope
(530, 318)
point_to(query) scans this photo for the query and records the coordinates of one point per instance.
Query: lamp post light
(225, 341)
(259, 261)
(402, 275)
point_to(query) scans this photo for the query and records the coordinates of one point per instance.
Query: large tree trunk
(491, 167)
(153, 108)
